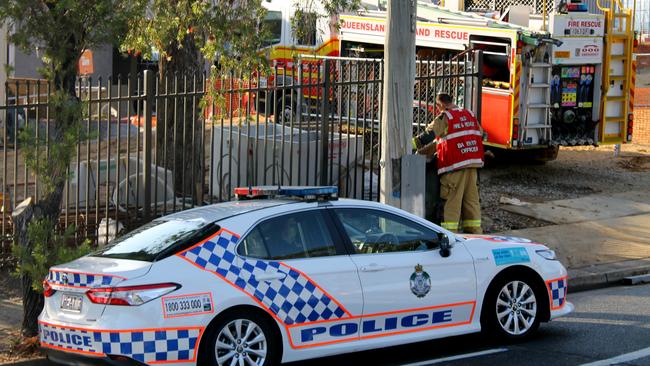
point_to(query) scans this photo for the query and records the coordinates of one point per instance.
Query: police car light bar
(306, 193)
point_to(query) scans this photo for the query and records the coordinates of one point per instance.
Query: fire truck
(572, 85)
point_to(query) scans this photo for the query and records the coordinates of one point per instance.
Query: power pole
(396, 185)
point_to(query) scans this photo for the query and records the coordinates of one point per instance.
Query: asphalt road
(609, 327)
(607, 323)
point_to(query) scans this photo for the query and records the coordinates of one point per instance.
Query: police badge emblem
(420, 282)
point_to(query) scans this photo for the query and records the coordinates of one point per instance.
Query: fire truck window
(305, 28)
(273, 25)
(495, 67)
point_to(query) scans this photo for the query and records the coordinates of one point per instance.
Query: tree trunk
(48, 207)
(22, 216)
(179, 138)
(32, 300)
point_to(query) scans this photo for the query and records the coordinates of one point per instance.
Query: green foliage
(51, 168)
(63, 29)
(308, 12)
(221, 30)
(47, 249)
(59, 30)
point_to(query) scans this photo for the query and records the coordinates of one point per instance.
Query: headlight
(547, 254)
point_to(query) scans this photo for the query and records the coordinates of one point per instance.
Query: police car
(286, 274)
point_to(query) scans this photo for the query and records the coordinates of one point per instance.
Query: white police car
(264, 281)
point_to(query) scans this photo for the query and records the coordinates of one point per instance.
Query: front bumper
(565, 310)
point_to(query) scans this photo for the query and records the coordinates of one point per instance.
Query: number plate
(187, 305)
(71, 302)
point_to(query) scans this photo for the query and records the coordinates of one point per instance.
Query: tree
(62, 29)
(186, 34)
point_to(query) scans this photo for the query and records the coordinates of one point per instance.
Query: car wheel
(285, 112)
(511, 309)
(241, 339)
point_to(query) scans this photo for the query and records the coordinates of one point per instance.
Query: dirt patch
(18, 348)
(636, 163)
(577, 172)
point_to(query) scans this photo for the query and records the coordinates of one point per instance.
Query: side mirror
(445, 246)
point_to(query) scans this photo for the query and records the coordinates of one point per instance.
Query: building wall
(641, 125)
(27, 65)
(641, 132)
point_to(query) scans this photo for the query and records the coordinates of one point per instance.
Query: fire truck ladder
(538, 102)
(617, 71)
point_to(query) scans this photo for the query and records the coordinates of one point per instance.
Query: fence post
(147, 144)
(324, 127)
(478, 62)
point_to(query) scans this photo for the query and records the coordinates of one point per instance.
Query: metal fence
(159, 144)
(537, 6)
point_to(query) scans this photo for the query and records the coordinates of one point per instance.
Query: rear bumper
(76, 359)
(71, 345)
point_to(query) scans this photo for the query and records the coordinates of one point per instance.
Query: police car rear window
(157, 239)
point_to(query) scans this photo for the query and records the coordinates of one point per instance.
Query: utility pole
(401, 184)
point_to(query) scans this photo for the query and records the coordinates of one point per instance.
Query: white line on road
(627, 357)
(457, 357)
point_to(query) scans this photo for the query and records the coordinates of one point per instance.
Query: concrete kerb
(602, 275)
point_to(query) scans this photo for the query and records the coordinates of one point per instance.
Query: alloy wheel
(516, 308)
(241, 342)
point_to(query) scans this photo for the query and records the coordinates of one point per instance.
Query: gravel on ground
(577, 172)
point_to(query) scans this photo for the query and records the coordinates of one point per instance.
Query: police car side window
(299, 235)
(373, 231)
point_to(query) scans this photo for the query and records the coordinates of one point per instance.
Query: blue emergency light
(306, 193)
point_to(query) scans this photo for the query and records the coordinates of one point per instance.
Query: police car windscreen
(155, 239)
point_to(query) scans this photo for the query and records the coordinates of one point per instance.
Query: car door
(408, 286)
(309, 281)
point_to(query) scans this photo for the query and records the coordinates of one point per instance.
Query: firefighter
(456, 137)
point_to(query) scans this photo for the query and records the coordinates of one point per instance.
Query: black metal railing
(164, 143)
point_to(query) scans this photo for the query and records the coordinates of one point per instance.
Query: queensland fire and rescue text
(421, 31)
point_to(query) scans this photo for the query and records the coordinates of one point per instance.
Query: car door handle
(270, 276)
(373, 268)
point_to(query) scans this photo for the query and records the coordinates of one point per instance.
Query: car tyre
(241, 335)
(285, 112)
(512, 310)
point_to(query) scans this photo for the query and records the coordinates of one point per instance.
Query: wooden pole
(397, 115)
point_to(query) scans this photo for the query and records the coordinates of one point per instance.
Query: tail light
(131, 295)
(630, 126)
(47, 289)
(515, 129)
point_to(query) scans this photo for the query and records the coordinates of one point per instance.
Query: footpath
(601, 239)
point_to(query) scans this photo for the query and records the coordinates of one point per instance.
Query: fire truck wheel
(285, 111)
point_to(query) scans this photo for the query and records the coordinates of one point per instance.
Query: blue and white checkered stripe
(148, 346)
(294, 299)
(558, 292)
(142, 345)
(82, 279)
